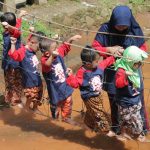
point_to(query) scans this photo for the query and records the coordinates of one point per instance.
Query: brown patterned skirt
(13, 86)
(34, 95)
(95, 117)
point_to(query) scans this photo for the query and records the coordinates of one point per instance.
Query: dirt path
(21, 130)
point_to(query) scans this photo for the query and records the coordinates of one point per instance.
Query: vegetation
(137, 1)
(39, 26)
(47, 28)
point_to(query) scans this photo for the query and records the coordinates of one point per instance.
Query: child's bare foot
(20, 105)
(127, 136)
(121, 138)
(111, 134)
(70, 121)
(142, 138)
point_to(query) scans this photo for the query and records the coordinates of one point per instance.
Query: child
(32, 83)
(54, 72)
(89, 79)
(128, 84)
(12, 74)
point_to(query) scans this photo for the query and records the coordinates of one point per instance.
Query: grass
(39, 26)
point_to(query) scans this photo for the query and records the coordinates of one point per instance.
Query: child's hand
(115, 50)
(69, 71)
(31, 29)
(129, 73)
(22, 13)
(55, 53)
(13, 40)
(74, 38)
(56, 37)
(5, 25)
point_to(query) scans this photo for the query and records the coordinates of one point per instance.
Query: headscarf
(121, 15)
(131, 55)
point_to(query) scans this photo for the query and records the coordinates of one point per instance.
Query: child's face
(33, 44)
(52, 48)
(137, 65)
(94, 63)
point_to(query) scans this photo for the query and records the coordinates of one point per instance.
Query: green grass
(39, 26)
(136, 1)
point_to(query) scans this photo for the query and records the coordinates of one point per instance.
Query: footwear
(111, 134)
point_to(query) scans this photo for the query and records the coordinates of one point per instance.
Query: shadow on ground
(26, 122)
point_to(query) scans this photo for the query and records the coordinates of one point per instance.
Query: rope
(87, 31)
(88, 49)
(78, 29)
(59, 41)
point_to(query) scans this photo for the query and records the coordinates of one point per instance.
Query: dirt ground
(21, 130)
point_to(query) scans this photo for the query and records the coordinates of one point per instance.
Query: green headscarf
(131, 55)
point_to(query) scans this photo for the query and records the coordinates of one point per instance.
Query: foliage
(136, 1)
(39, 26)
(75, 0)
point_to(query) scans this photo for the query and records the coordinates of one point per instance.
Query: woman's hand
(115, 50)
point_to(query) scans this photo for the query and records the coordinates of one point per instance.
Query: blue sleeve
(6, 44)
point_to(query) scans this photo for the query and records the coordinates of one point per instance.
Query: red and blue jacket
(109, 84)
(126, 95)
(55, 76)
(7, 62)
(90, 81)
(29, 65)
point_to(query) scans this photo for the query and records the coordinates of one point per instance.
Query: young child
(89, 78)
(128, 84)
(12, 74)
(54, 72)
(29, 64)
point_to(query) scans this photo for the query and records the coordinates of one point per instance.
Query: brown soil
(21, 130)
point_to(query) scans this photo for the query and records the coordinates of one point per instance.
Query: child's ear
(46, 52)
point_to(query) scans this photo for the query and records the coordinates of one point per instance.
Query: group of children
(21, 73)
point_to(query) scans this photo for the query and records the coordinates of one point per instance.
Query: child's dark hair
(88, 54)
(39, 35)
(9, 17)
(45, 45)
